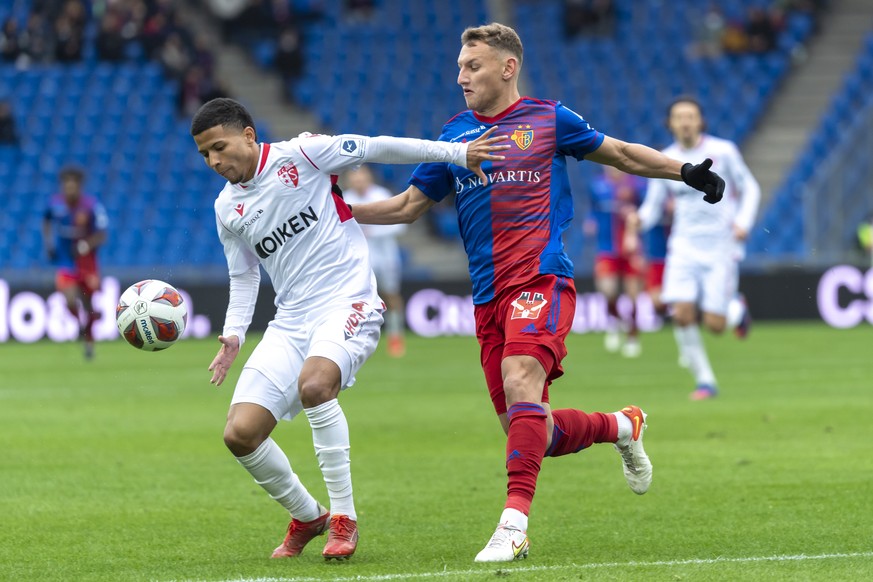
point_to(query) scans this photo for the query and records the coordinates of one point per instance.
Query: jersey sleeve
(435, 180)
(748, 189)
(574, 136)
(653, 204)
(335, 154)
(239, 258)
(101, 218)
(245, 277)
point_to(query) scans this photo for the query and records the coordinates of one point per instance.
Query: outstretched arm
(635, 158)
(405, 208)
(641, 160)
(335, 154)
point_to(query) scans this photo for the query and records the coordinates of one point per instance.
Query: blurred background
(110, 85)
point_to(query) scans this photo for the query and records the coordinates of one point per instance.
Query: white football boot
(636, 464)
(507, 544)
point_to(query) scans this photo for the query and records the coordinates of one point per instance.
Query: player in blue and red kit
(614, 195)
(523, 287)
(74, 226)
(655, 245)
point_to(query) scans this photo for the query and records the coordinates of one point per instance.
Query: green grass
(115, 470)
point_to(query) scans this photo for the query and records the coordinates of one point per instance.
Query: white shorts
(705, 280)
(387, 273)
(386, 262)
(346, 337)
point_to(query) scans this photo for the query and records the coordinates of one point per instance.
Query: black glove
(700, 177)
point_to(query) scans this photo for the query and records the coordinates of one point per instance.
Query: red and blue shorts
(526, 320)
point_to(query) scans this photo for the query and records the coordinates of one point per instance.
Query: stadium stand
(121, 121)
(806, 219)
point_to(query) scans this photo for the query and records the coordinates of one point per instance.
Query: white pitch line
(511, 568)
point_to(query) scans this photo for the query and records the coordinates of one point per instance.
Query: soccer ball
(151, 315)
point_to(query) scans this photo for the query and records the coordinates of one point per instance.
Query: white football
(151, 315)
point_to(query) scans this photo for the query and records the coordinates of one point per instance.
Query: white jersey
(287, 219)
(700, 227)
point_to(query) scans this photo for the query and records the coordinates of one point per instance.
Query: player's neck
(253, 167)
(500, 106)
(691, 143)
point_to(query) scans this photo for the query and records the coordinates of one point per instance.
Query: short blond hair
(495, 35)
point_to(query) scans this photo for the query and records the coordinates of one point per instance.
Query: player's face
(481, 76)
(360, 179)
(686, 123)
(72, 189)
(233, 154)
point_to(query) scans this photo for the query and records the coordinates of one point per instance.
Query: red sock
(525, 445)
(575, 430)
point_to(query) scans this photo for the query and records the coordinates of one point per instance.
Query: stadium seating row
(119, 121)
(780, 230)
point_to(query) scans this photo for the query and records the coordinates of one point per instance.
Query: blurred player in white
(384, 253)
(278, 210)
(706, 242)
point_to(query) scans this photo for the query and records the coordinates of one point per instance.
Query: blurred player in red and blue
(655, 245)
(74, 227)
(614, 195)
(523, 289)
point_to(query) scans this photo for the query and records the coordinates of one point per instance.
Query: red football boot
(342, 539)
(301, 533)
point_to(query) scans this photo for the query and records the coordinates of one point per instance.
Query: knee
(241, 439)
(716, 326)
(684, 316)
(315, 391)
(519, 388)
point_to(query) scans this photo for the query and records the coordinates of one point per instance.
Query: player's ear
(510, 68)
(249, 134)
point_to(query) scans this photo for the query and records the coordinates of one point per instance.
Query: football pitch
(115, 470)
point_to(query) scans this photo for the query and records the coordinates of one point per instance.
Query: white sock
(625, 428)
(330, 437)
(272, 471)
(514, 518)
(677, 335)
(735, 312)
(691, 345)
(394, 323)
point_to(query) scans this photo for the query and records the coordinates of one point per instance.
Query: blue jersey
(70, 224)
(656, 242)
(512, 226)
(613, 197)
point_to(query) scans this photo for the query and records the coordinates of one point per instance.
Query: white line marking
(510, 568)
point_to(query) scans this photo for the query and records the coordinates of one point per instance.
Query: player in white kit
(706, 241)
(385, 256)
(279, 211)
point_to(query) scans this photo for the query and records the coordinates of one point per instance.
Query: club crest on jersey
(288, 175)
(523, 137)
(355, 319)
(526, 307)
